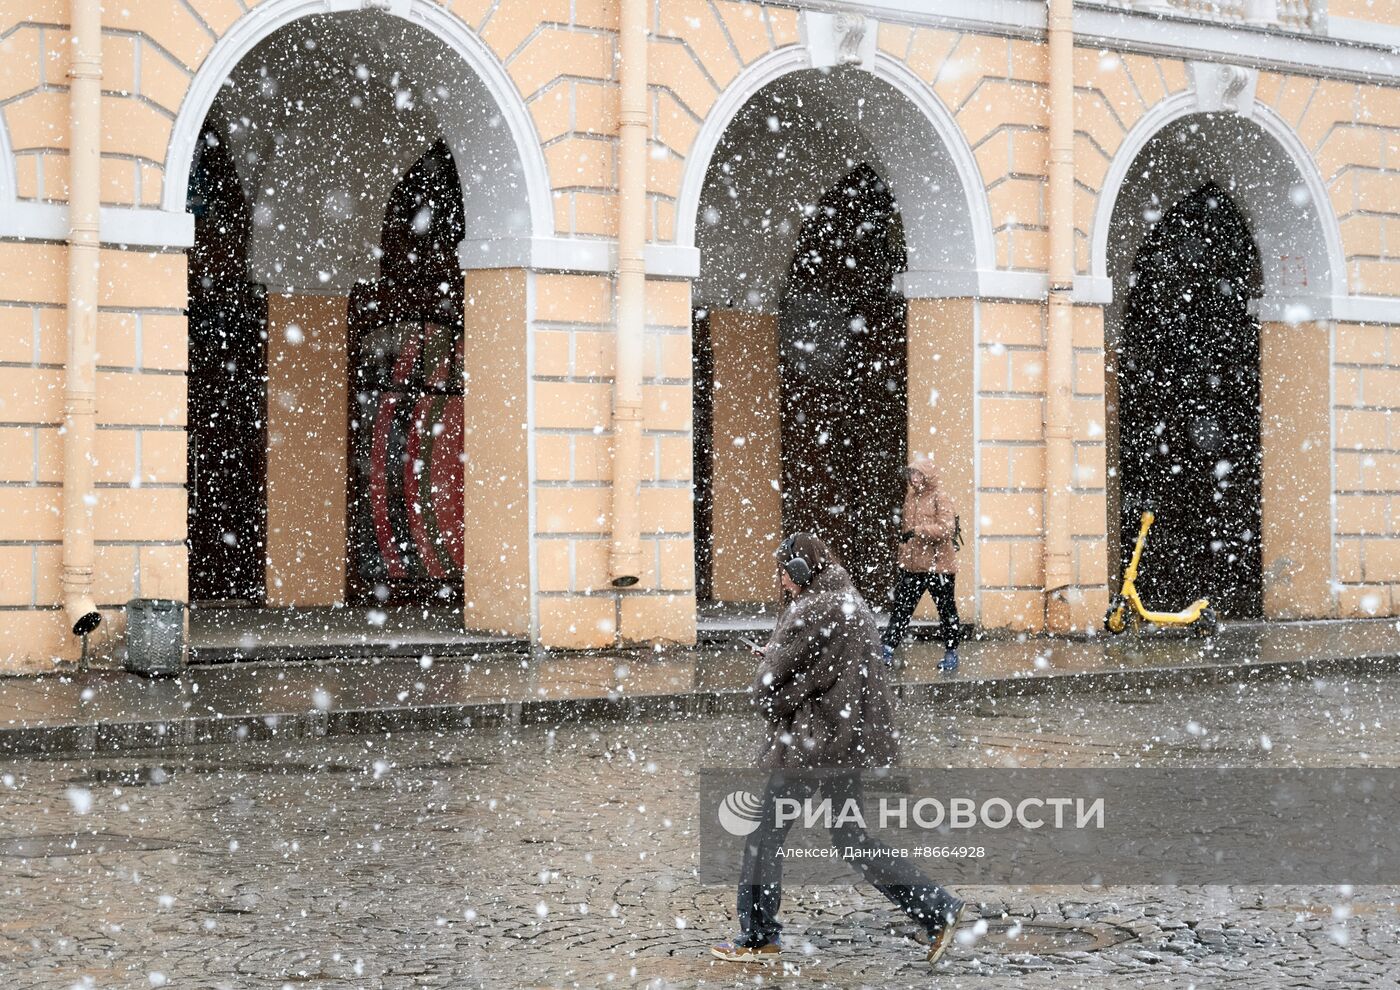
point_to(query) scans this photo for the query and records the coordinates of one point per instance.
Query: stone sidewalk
(539, 857)
(106, 710)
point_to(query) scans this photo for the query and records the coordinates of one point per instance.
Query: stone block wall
(1366, 407)
(560, 59)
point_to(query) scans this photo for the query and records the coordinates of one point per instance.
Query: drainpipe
(80, 383)
(1059, 356)
(626, 551)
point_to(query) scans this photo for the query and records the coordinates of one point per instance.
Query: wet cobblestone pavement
(531, 857)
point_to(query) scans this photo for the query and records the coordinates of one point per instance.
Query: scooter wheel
(1115, 620)
(1207, 624)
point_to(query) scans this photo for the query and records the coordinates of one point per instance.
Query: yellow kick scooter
(1126, 608)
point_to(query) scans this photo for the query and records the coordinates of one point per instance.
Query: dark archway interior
(1189, 415)
(226, 467)
(843, 379)
(702, 362)
(405, 507)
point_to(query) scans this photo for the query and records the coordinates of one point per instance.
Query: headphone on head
(796, 568)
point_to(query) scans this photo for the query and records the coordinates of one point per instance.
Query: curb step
(137, 735)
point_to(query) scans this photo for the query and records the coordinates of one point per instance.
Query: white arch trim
(8, 181)
(795, 58)
(29, 221)
(271, 15)
(1183, 105)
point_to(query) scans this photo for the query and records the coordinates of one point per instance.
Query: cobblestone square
(535, 857)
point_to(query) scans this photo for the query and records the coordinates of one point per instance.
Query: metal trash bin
(155, 636)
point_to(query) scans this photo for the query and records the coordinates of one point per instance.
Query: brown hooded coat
(928, 513)
(821, 684)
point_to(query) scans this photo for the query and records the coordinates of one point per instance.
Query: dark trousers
(761, 882)
(907, 595)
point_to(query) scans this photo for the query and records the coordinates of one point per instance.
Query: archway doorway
(405, 506)
(822, 188)
(1188, 375)
(843, 379)
(355, 154)
(226, 448)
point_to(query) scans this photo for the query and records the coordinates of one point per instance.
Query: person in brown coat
(826, 697)
(928, 561)
(826, 703)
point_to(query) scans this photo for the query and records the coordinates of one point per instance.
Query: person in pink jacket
(928, 560)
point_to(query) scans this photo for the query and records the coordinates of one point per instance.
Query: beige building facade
(757, 114)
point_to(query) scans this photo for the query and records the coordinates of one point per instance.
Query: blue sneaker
(888, 653)
(949, 663)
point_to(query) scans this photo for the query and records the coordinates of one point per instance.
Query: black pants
(761, 882)
(907, 594)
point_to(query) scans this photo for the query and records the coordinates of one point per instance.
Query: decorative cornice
(1350, 49)
(121, 226)
(574, 254)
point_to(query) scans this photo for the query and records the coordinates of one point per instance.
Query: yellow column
(626, 551)
(307, 470)
(1059, 357)
(747, 517)
(80, 384)
(495, 462)
(941, 401)
(1295, 499)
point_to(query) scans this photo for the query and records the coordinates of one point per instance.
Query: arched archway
(359, 152)
(227, 443)
(1188, 407)
(818, 165)
(843, 379)
(1170, 168)
(10, 223)
(1258, 159)
(405, 434)
(923, 154)
(453, 60)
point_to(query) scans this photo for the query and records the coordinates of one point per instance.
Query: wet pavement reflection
(532, 856)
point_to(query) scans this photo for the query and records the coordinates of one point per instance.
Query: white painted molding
(574, 254)
(994, 284)
(836, 39)
(1366, 309)
(1343, 309)
(941, 284)
(569, 254)
(1221, 87)
(119, 225)
(1297, 152)
(779, 63)
(155, 228)
(1092, 290)
(9, 183)
(672, 261)
(1024, 15)
(514, 252)
(954, 141)
(731, 100)
(271, 15)
(1183, 105)
(1356, 49)
(1028, 286)
(1355, 31)
(33, 221)
(1293, 310)
(1372, 59)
